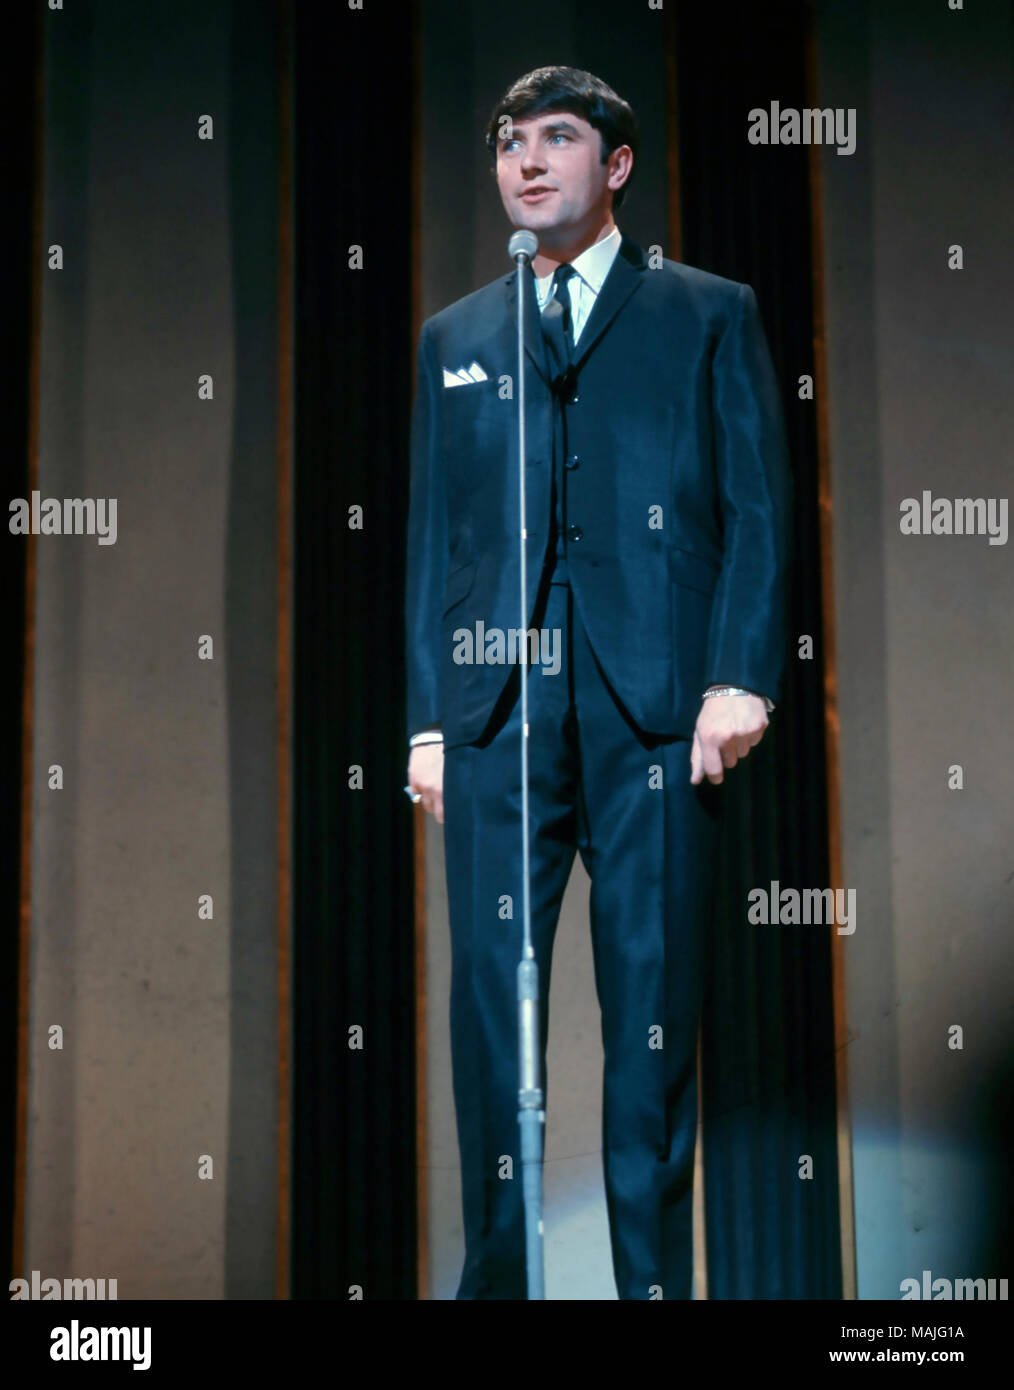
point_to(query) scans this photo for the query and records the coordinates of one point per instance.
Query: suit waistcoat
(558, 518)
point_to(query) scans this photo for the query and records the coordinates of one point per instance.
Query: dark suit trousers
(649, 841)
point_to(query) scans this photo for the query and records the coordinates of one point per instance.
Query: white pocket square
(464, 376)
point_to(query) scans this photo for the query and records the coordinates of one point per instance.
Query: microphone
(531, 1097)
(522, 246)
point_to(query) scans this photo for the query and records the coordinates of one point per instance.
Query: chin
(536, 219)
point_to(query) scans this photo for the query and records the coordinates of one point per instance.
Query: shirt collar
(593, 264)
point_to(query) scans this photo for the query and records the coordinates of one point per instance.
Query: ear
(621, 164)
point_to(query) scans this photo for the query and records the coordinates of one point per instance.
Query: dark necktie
(556, 321)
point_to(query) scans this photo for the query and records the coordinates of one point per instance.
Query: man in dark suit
(658, 500)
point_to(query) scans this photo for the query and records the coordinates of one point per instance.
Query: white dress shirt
(592, 267)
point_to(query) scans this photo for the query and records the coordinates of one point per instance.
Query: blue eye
(507, 146)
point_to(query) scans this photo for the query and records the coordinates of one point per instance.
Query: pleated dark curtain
(353, 1152)
(767, 1032)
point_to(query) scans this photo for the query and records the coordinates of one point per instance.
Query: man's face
(551, 177)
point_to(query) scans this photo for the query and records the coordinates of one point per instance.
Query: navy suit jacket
(681, 490)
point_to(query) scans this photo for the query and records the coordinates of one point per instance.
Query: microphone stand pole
(531, 1113)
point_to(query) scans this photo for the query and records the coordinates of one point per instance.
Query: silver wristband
(427, 736)
(738, 690)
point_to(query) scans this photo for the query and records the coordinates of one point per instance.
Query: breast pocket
(473, 438)
(467, 406)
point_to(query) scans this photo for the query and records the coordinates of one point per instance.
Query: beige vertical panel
(144, 991)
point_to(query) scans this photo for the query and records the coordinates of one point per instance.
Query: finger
(712, 763)
(695, 760)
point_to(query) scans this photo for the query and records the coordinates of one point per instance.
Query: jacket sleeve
(426, 563)
(749, 614)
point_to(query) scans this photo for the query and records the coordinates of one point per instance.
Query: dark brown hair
(582, 94)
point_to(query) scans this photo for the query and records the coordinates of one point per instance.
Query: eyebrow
(552, 129)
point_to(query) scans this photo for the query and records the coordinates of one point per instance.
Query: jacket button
(574, 399)
(574, 533)
(573, 461)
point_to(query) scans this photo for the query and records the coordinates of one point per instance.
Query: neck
(565, 252)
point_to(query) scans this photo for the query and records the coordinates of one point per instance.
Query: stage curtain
(20, 67)
(767, 1031)
(353, 1153)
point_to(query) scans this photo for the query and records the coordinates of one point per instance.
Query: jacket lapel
(622, 280)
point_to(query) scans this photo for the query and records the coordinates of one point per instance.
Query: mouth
(536, 195)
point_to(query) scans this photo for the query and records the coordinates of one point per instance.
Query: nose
(531, 160)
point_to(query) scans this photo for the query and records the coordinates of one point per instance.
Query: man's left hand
(728, 726)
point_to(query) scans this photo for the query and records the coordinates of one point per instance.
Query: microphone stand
(531, 1113)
